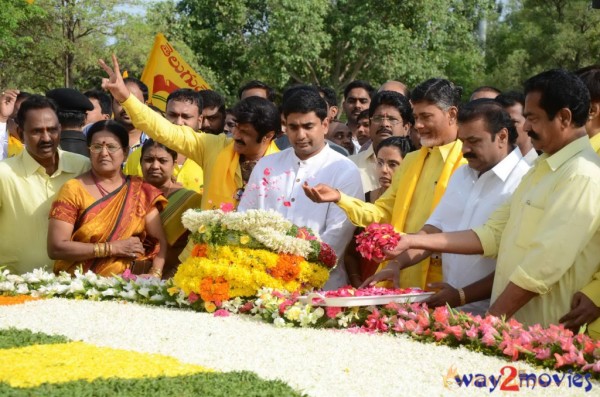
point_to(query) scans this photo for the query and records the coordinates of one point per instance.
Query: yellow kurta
(189, 174)
(204, 149)
(387, 208)
(26, 194)
(547, 235)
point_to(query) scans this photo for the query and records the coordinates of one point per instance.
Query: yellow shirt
(201, 148)
(26, 194)
(15, 146)
(189, 174)
(595, 141)
(385, 210)
(547, 236)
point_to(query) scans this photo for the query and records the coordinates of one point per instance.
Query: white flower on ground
(22, 289)
(7, 286)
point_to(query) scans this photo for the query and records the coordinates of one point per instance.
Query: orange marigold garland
(199, 250)
(287, 268)
(213, 290)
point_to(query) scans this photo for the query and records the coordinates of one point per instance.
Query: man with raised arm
(547, 236)
(227, 162)
(420, 181)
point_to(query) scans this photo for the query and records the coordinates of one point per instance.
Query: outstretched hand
(583, 311)
(390, 272)
(321, 193)
(114, 83)
(447, 295)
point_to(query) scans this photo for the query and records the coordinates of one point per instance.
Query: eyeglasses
(381, 119)
(110, 147)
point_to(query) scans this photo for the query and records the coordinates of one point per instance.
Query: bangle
(108, 249)
(463, 299)
(156, 273)
(96, 250)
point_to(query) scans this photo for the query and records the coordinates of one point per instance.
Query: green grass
(231, 384)
(13, 337)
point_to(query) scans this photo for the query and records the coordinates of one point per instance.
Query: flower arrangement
(551, 347)
(237, 253)
(376, 238)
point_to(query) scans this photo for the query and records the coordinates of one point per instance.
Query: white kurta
(467, 203)
(276, 183)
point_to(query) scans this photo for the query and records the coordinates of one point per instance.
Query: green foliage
(537, 35)
(12, 337)
(242, 384)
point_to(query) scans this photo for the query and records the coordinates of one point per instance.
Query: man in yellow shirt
(184, 107)
(28, 184)
(420, 180)
(547, 236)
(585, 307)
(227, 162)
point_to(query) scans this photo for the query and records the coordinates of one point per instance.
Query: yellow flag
(166, 71)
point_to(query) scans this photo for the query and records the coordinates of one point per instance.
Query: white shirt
(531, 156)
(3, 141)
(276, 183)
(467, 203)
(366, 161)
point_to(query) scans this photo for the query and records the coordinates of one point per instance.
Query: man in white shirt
(495, 169)
(513, 102)
(276, 181)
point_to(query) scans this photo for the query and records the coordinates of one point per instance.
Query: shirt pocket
(529, 224)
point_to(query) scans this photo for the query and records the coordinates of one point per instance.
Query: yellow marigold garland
(245, 271)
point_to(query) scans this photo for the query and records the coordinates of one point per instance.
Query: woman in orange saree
(102, 221)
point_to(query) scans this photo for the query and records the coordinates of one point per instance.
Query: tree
(537, 35)
(332, 42)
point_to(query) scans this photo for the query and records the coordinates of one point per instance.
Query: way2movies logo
(511, 379)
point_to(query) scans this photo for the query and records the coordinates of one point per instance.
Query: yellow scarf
(422, 273)
(15, 146)
(223, 185)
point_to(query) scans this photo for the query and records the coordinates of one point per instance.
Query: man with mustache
(29, 182)
(357, 97)
(495, 169)
(227, 162)
(390, 114)
(547, 235)
(420, 181)
(276, 182)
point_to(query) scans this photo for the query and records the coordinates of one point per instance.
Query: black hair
(70, 118)
(510, 99)
(365, 115)
(561, 89)
(23, 95)
(359, 84)
(149, 143)
(112, 127)
(590, 76)
(329, 95)
(396, 100)
(493, 115)
(440, 92)
(143, 87)
(401, 142)
(34, 102)
(103, 99)
(187, 95)
(305, 99)
(487, 88)
(261, 113)
(257, 84)
(212, 99)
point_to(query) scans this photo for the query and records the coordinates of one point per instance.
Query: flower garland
(552, 347)
(237, 253)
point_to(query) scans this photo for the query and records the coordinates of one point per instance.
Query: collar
(444, 149)
(32, 166)
(317, 158)
(507, 164)
(370, 152)
(563, 155)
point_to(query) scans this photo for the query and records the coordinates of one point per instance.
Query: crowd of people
(497, 195)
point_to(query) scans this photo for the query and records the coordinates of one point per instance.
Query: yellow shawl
(422, 274)
(223, 183)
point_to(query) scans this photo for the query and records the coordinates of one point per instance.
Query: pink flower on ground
(488, 339)
(542, 353)
(440, 314)
(128, 275)
(192, 297)
(221, 313)
(439, 335)
(333, 311)
(227, 207)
